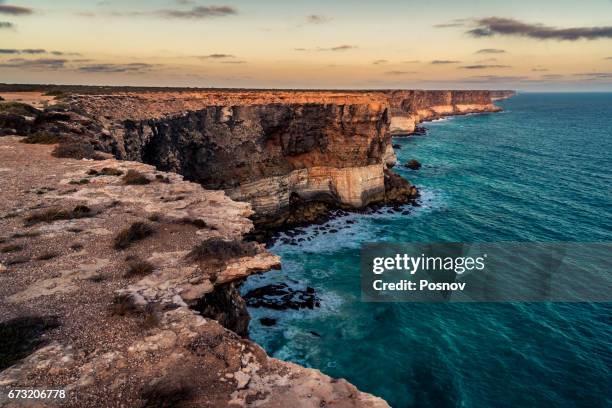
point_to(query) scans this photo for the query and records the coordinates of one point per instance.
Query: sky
(528, 45)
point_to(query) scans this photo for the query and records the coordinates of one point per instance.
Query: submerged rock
(282, 297)
(413, 164)
(267, 321)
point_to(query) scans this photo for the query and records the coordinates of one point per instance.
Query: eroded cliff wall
(290, 160)
(409, 108)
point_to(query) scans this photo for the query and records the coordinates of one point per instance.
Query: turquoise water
(539, 171)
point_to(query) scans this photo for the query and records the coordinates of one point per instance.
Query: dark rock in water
(314, 333)
(397, 190)
(267, 321)
(398, 147)
(415, 204)
(419, 130)
(405, 212)
(333, 230)
(350, 222)
(282, 297)
(413, 164)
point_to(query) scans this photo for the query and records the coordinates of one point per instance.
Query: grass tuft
(135, 232)
(110, 171)
(139, 267)
(11, 248)
(219, 250)
(134, 177)
(56, 214)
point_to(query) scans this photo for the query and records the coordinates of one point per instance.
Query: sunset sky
(525, 45)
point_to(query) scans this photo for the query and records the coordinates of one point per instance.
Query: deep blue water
(540, 171)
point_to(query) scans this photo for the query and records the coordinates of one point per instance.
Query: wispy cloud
(41, 63)
(539, 69)
(491, 26)
(458, 22)
(336, 48)
(35, 51)
(411, 62)
(490, 51)
(594, 75)
(494, 78)
(317, 19)
(198, 12)
(442, 62)
(15, 10)
(216, 56)
(339, 48)
(135, 67)
(6, 24)
(484, 66)
(380, 61)
(399, 73)
(233, 62)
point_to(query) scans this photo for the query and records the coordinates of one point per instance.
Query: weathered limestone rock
(127, 340)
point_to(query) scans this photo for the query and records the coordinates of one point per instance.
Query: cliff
(409, 108)
(291, 160)
(133, 319)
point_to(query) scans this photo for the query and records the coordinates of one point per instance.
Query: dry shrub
(47, 255)
(42, 138)
(219, 250)
(74, 149)
(11, 248)
(56, 214)
(134, 177)
(110, 171)
(138, 267)
(135, 232)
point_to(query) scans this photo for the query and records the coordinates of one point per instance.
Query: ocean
(540, 171)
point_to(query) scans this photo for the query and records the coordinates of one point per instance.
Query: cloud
(15, 10)
(608, 58)
(398, 73)
(458, 22)
(495, 78)
(441, 62)
(411, 62)
(216, 56)
(317, 19)
(24, 51)
(380, 61)
(35, 51)
(490, 51)
(6, 24)
(198, 12)
(539, 69)
(552, 76)
(135, 67)
(339, 48)
(491, 26)
(485, 66)
(42, 63)
(336, 48)
(594, 75)
(233, 62)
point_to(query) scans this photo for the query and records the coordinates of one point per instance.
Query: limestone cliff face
(409, 108)
(276, 156)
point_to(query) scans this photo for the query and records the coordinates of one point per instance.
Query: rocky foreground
(132, 319)
(120, 253)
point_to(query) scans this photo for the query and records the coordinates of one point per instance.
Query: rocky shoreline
(168, 305)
